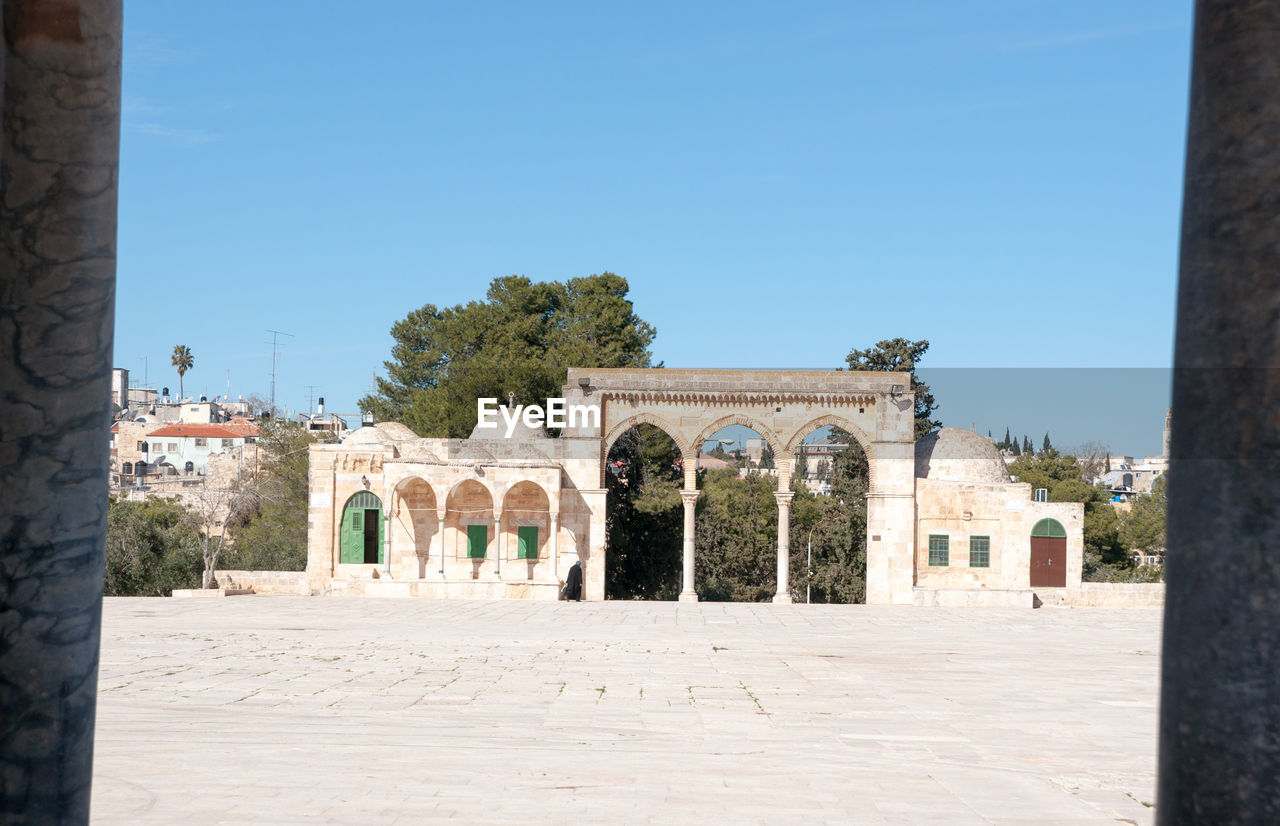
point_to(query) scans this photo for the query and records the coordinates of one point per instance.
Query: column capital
(784, 497)
(689, 497)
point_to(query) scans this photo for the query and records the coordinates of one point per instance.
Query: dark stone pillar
(1220, 697)
(58, 162)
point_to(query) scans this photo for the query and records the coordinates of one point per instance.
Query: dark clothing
(573, 584)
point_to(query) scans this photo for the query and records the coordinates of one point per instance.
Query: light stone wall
(1116, 595)
(1006, 514)
(291, 583)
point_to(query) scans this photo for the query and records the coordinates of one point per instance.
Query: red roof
(206, 431)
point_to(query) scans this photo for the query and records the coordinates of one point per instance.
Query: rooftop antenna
(275, 334)
(311, 394)
(145, 382)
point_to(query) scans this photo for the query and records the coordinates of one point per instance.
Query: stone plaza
(273, 709)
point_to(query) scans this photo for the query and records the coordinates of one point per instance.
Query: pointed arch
(650, 419)
(740, 419)
(835, 420)
(830, 419)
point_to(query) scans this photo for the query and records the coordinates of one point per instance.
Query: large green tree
(901, 355)
(272, 534)
(153, 546)
(519, 341)
(736, 537)
(1143, 527)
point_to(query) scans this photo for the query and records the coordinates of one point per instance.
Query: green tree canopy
(521, 340)
(1143, 527)
(272, 536)
(153, 546)
(900, 355)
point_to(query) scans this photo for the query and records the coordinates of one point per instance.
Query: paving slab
(287, 710)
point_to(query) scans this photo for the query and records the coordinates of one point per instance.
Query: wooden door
(1048, 562)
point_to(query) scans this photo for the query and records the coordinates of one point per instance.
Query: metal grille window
(939, 550)
(979, 552)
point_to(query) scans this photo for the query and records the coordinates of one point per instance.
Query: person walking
(573, 583)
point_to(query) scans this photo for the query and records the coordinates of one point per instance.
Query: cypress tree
(1047, 444)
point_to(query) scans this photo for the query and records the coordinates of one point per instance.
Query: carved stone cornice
(705, 398)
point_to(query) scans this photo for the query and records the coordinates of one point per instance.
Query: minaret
(1168, 430)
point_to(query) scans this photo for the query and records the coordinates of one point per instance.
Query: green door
(527, 542)
(477, 540)
(361, 538)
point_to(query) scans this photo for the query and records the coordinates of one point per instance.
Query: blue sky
(779, 184)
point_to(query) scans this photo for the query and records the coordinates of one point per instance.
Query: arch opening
(469, 526)
(526, 526)
(414, 526)
(736, 529)
(362, 532)
(831, 476)
(644, 473)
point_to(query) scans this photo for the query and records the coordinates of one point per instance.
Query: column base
(689, 597)
(784, 599)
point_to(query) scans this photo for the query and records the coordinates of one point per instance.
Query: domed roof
(367, 436)
(396, 432)
(955, 455)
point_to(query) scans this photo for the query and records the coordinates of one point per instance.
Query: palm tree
(182, 360)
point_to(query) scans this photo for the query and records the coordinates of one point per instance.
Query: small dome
(367, 436)
(396, 432)
(955, 455)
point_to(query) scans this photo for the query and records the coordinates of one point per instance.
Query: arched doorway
(362, 530)
(413, 527)
(831, 478)
(644, 470)
(736, 530)
(469, 521)
(1048, 554)
(526, 524)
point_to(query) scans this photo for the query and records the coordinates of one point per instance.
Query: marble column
(1220, 693)
(687, 592)
(386, 544)
(497, 541)
(555, 547)
(784, 546)
(58, 165)
(440, 544)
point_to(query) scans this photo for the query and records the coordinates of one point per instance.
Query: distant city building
(1128, 477)
(321, 422)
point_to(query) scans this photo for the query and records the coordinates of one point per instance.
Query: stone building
(980, 538)
(499, 516)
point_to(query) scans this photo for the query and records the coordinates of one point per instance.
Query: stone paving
(288, 710)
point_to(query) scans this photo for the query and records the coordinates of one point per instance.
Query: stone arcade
(504, 517)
